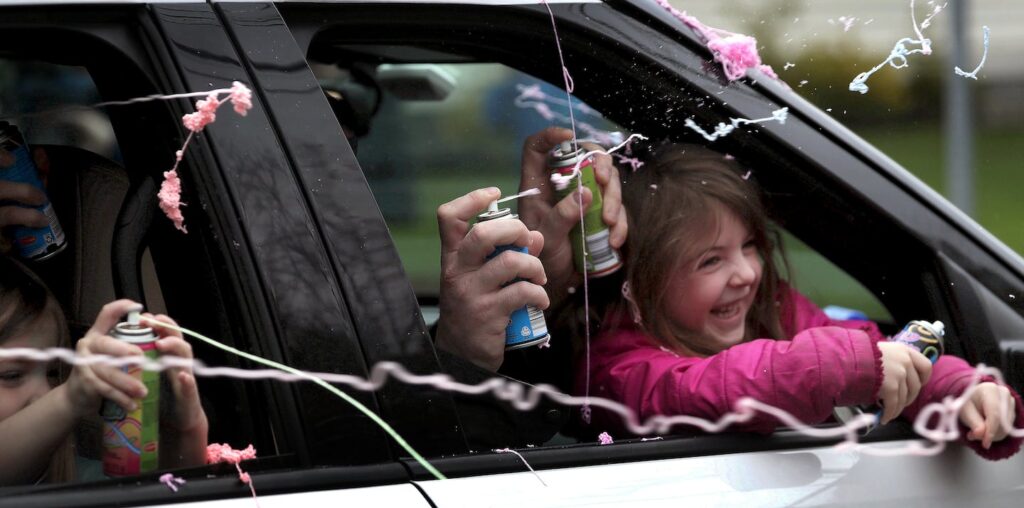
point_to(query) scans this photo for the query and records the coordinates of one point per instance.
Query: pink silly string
(735, 52)
(528, 466)
(171, 481)
(569, 87)
(605, 439)
(217, 453)
(206, 113)
(525, 399)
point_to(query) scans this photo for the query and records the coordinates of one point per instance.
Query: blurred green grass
(999, 172)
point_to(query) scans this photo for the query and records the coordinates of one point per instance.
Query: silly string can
(599, 259)
(526, 326)
(16, 165)
(924, 337)
(130, 439)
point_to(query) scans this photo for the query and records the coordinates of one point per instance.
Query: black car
(301, 251)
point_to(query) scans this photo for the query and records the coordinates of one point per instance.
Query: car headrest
(87, 191)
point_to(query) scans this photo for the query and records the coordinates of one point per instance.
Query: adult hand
(982, 414)
(904, 372)
(23, 193)
(475, 302)
(555, 219)
(89, 384)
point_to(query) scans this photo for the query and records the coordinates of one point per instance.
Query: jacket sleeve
(950, 378)
(806, 376)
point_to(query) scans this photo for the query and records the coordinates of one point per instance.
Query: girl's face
(22, 382)
(712, 295)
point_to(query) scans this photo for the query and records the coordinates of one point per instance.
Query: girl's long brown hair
(24, 299)
(673, 203)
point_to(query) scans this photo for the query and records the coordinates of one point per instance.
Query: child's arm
(979, 418)
(31, 435)
(819, 369)
(183, 437)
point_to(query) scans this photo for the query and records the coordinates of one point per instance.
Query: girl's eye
(709, 262)
(749, 245)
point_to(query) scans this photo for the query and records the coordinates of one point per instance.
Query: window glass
(87, 181)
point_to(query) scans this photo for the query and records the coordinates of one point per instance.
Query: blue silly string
(898, 56)
(974, 74)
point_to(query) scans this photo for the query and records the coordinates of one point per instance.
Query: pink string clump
(736, 52)
(170, 199)
(216, 453)
(605, 439)
(241, 98)
(205, 114)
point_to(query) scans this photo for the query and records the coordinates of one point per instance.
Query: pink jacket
(827, 363)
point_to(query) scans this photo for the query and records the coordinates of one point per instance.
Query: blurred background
(907, 113)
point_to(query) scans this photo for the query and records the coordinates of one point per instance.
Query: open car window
(438, 118)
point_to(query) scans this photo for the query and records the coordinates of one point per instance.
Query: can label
(30, 243)
(526, 325)
(131, 439)
(922, 337)
(598, 258)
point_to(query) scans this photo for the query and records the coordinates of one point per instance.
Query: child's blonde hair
(24, 299)
(675, 201)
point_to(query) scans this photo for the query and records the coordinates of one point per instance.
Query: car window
(100, 162)
(419, 150)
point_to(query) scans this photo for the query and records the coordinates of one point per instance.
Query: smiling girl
(705, 319)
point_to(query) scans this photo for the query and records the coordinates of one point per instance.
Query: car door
(637, 67)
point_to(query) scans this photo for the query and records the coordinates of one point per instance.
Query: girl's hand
(982, 414)
(89, 384)
(188, 415)
(904, 371)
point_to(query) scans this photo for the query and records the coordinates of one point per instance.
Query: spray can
(131, 439)
(16, 165)
(924, 337)
(526, 326)
(599, 259)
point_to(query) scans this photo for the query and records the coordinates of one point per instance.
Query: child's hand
(89, 384)
(188, 415)
(904, 372)
(982, 415)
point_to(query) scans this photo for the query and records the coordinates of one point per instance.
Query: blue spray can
(16, 165)
(526, 326)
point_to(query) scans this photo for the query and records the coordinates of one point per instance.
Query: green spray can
(599, 258)
(131, 439)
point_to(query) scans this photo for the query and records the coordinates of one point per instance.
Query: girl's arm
(819, 369)
(31, 436)
(950, 377)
